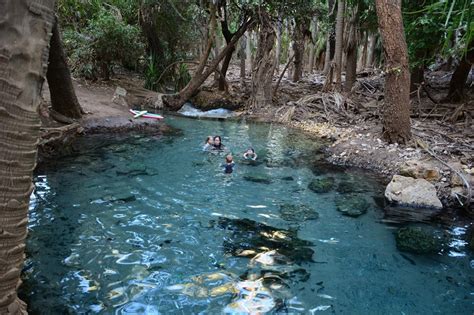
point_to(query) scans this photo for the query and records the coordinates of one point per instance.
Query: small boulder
(420, 169)
(258, 178)
(321, 185)
(419, 240)
(412, 192)
(289, 212)
(352, 205)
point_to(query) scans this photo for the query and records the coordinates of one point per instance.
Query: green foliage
(106, 41)
(182, 77)
(152, 74)
(437, 27)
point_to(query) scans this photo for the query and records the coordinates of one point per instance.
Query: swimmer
(229, 164)
(250, 154)
(208, 144)
(217, 145)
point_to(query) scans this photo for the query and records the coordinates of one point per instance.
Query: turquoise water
(151, 225)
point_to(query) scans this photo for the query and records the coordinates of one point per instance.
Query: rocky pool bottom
(152, 225)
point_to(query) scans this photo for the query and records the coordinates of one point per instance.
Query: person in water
(250, 154)
(209, 144)
(229, 164)
(217, 145)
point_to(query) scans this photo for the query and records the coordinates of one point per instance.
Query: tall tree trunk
(228, 37)
(248, 53)
(63, 96)
(369, 63)
(175, 101)
(331, 37)
(396, 110)
(363, 55)
(351, 51)
(243, 42)
(217, 46)
(312, 46)
(458, 80)
(262, 73)
(299, 35)
(25, 27)
(278, 43)
(339, 43)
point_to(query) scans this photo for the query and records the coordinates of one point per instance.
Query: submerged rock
(352, 205)
(290, 212)
(321, 185)
(249, 238)
(412, 192)
(258, 178)
(419, 239)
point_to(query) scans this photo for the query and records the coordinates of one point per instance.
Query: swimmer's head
(217, 140)
(209, 140)
(228, 159)
(250, 150)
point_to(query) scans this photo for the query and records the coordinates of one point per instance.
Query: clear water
(151, 225)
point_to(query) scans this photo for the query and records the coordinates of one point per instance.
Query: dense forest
(398, 70)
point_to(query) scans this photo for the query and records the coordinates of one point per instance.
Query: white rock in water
(412, 192)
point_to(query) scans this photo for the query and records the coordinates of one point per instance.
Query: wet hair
(229, 158)
(220, 142)
(251, 149)
(208, 138)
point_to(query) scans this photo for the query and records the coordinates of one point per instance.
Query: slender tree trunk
(460, 75)
(217, 46)
(369, 63)
(262, 73)
(363, 55)
(351, 51)
(278, 43)
(243, 42)
(331, 37)
(175, 101)
(27, 25)
(63, 96)
(298, 48)
(312, 46)
(228, 37)
(396, 110)
(339, 43)
(248, 53)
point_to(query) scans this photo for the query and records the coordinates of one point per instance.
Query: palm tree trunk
(396, 109)
(63, 96)
(339, 40)
(262, 73)
(24, 57)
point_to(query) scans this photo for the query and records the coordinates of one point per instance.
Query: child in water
(229, 164)
(209, 144)
(250, 154)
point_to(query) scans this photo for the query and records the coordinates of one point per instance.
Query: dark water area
(152, 225)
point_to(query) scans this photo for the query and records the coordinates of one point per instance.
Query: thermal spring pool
(150, 224)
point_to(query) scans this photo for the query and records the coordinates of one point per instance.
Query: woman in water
(217, 145)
